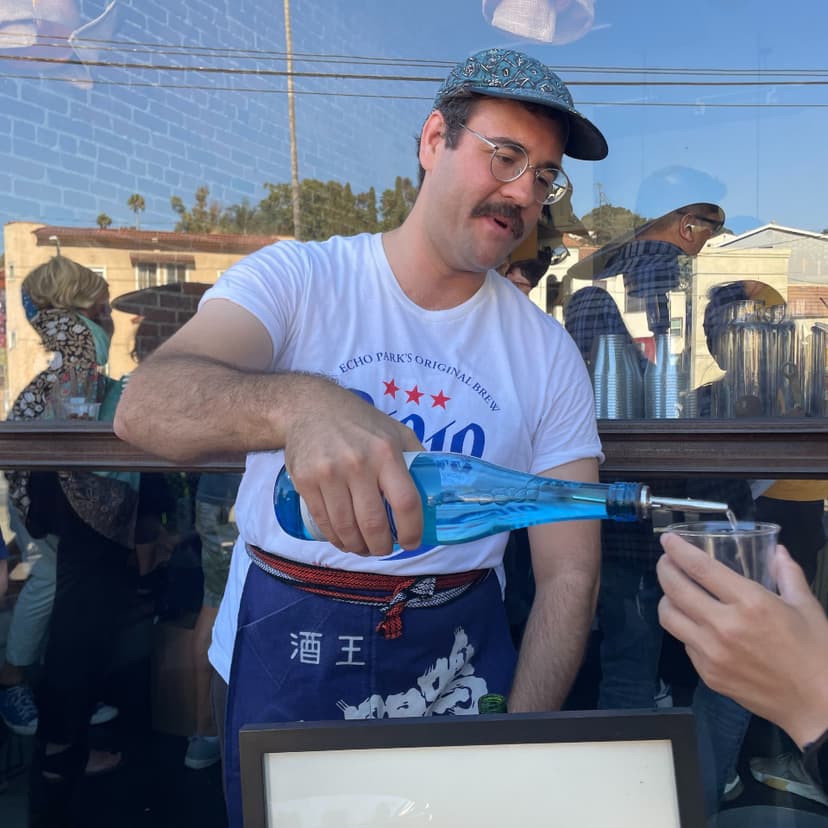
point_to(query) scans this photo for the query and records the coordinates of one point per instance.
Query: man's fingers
(405, 503)
(315, 503)
(371, 517)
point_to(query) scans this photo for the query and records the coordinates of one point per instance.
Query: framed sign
(606, 768)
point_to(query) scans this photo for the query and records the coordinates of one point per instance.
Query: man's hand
(768, 652)
(345, 458)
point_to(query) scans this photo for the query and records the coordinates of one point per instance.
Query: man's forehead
(512, 121)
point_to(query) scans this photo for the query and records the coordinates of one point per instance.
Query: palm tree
(136, 203)
(103, 221)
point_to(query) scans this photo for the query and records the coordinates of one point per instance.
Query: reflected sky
(198, 96)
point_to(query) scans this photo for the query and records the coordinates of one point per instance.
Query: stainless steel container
(665, 382)
(815, 382)
(617, 381)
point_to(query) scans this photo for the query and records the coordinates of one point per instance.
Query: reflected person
(654, 259)
(525, 274)
(92, 516)
(68, 307)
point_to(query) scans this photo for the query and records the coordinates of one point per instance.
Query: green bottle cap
(491, 703)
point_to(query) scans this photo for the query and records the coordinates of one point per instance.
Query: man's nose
(521, 190)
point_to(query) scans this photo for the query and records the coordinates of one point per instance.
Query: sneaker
(786, 773)
(733, 788)
(664, 696)
(18, 709)
(103, 713)
(202, 751)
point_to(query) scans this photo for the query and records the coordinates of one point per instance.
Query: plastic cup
(77, 408)
(747, 549)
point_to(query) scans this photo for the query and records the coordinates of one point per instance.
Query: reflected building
(128, 259)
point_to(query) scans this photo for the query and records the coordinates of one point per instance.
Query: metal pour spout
(650, 503)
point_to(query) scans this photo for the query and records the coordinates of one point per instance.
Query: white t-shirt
(494, 377)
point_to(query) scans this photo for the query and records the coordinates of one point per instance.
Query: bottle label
(409, 457)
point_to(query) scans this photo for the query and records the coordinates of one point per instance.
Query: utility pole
(294, 156)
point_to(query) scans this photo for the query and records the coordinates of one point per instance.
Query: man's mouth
(505, 215)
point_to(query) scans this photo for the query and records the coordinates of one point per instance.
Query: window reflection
(152, 145)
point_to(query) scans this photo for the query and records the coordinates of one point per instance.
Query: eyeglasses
(715, 224)
(510, 161)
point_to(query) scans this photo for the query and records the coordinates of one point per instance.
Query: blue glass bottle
(465, 498)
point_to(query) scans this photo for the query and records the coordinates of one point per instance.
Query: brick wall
(68, 153)
(163, 310)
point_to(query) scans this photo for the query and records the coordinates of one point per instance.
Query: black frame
(675, 725)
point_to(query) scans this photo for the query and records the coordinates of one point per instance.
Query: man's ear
(432, 139)
(687, 227)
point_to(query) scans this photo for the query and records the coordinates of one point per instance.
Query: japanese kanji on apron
(320, 644)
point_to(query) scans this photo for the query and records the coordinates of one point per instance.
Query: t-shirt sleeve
(567, 429)
(269, 284)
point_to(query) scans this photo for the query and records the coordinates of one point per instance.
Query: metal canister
(664, 382)
(617, 382)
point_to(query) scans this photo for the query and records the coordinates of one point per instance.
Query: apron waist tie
(391, 594)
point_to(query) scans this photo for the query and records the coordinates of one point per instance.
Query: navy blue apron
(302, 657)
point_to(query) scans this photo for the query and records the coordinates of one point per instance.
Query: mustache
(509, 212)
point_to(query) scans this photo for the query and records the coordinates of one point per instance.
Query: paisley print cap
(505, 73)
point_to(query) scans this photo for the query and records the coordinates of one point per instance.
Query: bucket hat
(505, 73)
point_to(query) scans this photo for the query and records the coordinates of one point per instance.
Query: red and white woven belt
(391, 594)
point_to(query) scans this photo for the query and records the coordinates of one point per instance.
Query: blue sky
(757, 149)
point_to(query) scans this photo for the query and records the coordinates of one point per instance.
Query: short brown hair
(65, 284)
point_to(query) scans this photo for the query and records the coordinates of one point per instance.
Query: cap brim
(586, 143)
(597, 262)
(587, 268)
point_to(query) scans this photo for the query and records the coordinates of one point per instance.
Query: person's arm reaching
(207, 392)
(768, 652)
(566, 563)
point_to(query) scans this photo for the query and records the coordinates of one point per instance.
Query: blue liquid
(465, 499)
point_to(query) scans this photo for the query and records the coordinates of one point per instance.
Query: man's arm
(566, 562)
(206, 393)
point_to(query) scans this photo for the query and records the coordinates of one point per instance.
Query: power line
(339, 76)
(63, 43)
(368, 95)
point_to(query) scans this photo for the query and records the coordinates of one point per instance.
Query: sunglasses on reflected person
(715, 224)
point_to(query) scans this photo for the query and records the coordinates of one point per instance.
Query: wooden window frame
(763, 448)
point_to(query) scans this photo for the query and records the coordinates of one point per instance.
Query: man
(525, 274)
(424, 338)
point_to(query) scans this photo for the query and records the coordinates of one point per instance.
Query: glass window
(158, 145)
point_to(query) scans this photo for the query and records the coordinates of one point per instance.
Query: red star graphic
(391, 388)
(439, 399)
(414, 395)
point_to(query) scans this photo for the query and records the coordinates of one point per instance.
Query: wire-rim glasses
(510, 161)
